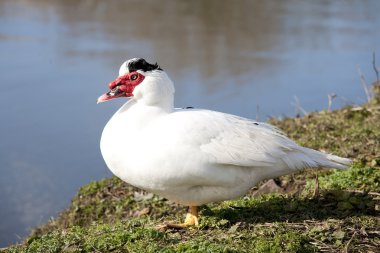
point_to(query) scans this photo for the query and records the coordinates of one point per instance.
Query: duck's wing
(232, 140)
(244, 142)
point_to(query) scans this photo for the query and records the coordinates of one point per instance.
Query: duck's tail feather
(325, 160)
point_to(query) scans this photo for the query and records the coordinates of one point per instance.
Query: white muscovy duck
(192, 156)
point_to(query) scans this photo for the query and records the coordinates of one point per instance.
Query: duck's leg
(191, 220)
(192, 216)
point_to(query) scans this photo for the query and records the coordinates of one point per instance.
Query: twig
(374, 65)
(364, 84)
(331, 97)
(364, 192)
(257, 112)
(348, 243)
(321, 243)
(316, 189)
(298, 107)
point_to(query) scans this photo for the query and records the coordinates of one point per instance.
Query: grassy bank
(111, 216)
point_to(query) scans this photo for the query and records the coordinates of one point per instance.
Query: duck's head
(140, 80)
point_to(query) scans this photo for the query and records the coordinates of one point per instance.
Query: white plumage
(194, 156)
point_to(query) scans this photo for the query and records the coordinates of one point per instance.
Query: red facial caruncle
(123, 86)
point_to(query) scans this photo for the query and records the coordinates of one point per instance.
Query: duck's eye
(133, 77)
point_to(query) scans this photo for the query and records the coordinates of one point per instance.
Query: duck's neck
(163, 104)
(135, 114)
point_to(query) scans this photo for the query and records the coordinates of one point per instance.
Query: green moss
(270, 223)
(356, 178)
(132, 237)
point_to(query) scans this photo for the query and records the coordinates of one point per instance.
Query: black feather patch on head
(142, 64)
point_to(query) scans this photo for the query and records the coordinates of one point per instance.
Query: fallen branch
(348, 243)
(364, 192)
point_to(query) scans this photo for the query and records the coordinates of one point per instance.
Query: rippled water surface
(249, 59)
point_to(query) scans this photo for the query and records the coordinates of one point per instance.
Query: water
(248, 59)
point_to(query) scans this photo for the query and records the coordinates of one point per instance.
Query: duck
(192, 156)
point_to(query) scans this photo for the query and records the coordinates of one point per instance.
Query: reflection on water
(58, 56)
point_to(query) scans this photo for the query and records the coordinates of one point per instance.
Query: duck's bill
(114, 93)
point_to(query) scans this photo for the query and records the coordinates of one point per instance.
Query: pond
(256, 59)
